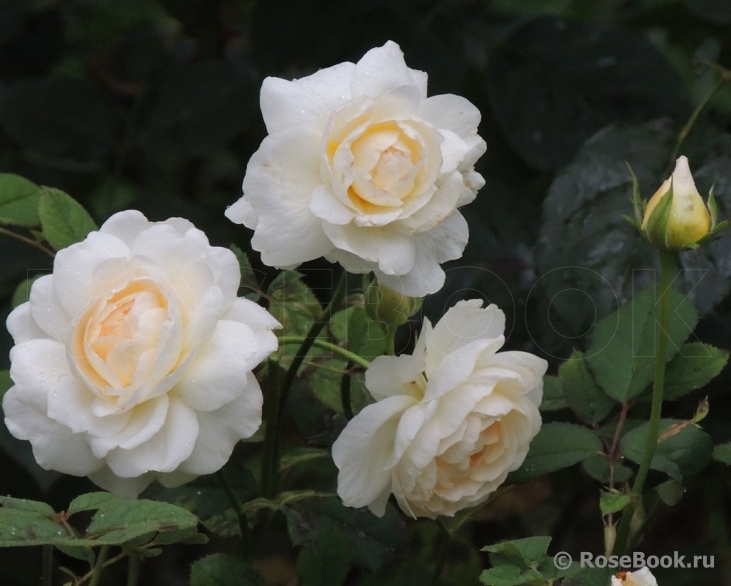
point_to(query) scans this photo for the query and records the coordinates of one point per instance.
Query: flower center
(118, 336)
(385, 166)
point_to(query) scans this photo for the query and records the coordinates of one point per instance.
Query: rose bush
(363, 169)
(132, 361)
(449, 423)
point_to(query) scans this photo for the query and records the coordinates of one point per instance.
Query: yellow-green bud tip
(688, 219)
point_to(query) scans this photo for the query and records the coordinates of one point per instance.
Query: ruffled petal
(279, 181)
(165, 450)
(382, 70)
(220, 430)
(393, 251)
(309, 101)
(395, 375)
(363, 449)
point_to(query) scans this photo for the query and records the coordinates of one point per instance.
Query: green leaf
(582, 394)
(557, 445)
(120, 520)
(24, 522)
(326, 384)
(63, 220)
(372, 540)
(554, 82)
(693, 367)
(621, 356)
(530, 550)
(85, 554)
(722, 453)
(670, 492)
(18, 201)
(22, 291)
(293, 304)
(326, 561)
(589, 577)
(507, 575)
(553, 398)
(359, 332)
(598, 468)
(612, 502)
(248, 276)
(221, 570)
(680, 455)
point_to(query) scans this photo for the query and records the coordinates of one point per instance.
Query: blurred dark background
(153, 105)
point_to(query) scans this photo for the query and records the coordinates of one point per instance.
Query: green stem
(274, 415)
(325, 345)
(685, 131)
(243, 521)
(47, 565)
(345, 393)
(27, 240)
(270, 460)
(445, 540)
(99, 565)
(391, 340)
(668, 261)
(133, 573)
(309, 340)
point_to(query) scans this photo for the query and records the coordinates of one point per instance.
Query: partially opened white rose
(362, 168)
(449, 423)
(132, 361)
(642, 577)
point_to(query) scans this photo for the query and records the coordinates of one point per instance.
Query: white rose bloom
(641, 577)
(362, 168)
(132, 361)
(449, 423)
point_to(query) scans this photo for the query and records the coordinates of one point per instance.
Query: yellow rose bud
(676, 216)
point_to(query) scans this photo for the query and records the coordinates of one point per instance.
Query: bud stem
(668, 261)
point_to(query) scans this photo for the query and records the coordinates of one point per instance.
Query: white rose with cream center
(132, 361)
(362, 168)
(449, 423)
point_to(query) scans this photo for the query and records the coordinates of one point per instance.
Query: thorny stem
(667, 261)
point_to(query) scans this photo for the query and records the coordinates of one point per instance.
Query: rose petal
(280, 178)
(383, 69)
(363, 449)
(308, 101)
